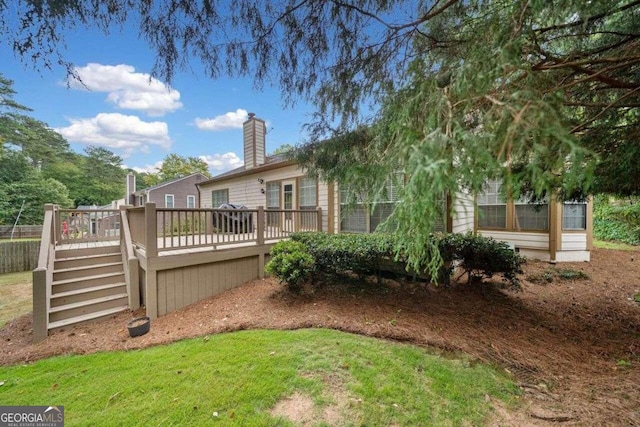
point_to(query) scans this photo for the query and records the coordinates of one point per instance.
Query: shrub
(481, 257)
(365, 254)
(291, 263)
(616, 222)
(338, 253)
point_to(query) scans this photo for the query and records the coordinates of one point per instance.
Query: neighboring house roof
(164, 184)
(271, 162)
(86, 207)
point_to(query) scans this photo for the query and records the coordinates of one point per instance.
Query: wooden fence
(21, 231)
(18, 256)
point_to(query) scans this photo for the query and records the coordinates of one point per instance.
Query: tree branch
(590, 18)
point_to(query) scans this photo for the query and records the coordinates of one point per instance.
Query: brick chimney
(254, 132)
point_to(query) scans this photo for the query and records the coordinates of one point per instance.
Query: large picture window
(492, 207)
(495, 212)
(219, 197)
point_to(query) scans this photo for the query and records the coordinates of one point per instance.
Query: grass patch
(15, 295)
(603, 244)
(242, 376)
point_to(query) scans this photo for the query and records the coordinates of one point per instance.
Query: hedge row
(306, 254)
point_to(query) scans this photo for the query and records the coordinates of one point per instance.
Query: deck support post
(319, 218)
(151, 252)
(260, 227)
(40, 309)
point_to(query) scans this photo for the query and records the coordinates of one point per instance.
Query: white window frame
(166, 201)
(191, 201)
(305, 184)
(492, 200)
(273, 189)
(582, 218)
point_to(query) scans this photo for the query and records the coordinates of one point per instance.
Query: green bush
(337, 253)
(481, 257)
(365, 254)
(291, 263)
(619, 223)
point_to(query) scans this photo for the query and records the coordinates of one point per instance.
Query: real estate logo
(31, 416)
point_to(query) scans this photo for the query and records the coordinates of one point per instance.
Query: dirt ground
(572, 345)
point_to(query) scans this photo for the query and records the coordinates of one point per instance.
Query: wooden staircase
(88, 284)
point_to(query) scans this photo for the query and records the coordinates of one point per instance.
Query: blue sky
(143, 122)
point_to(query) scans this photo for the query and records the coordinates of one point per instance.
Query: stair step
(87, 317)
(85, 294)
(93, 270)
(86, 303)
(96, 250)
(87, 260)
(87, 282)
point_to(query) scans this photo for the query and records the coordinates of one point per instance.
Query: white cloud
(147, 168)
(230, 120)
(128, 89)
(117, 131)
(223, 162)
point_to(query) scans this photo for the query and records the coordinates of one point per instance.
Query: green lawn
(603, 244)
(15, 295)
(238, 378)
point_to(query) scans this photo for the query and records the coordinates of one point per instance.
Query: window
(191, 202)
(520, 215)
(168, 200)
(307, 189)
(574, 216)
(273, 195)
(273, 202)
(140, 200)
(362, 218)
(531, 216)
(219, 197)
(492, 208)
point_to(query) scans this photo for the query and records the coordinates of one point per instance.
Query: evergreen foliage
(543, 95)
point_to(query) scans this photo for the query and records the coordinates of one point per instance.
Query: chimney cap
(252, 115)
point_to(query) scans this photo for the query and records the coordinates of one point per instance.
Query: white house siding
(574, 241)
(246, 190)
(574, 248)
(464, 214)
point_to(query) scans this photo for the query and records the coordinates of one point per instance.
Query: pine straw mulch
(572, 345)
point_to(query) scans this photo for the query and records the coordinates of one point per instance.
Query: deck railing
(168, 229)
(75, 225)
(43, 276)
(129, 261)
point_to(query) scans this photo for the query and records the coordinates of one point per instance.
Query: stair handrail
(129, 260)
(43, 276)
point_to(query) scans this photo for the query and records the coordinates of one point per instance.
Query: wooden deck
(71, 245)
(180, 249)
